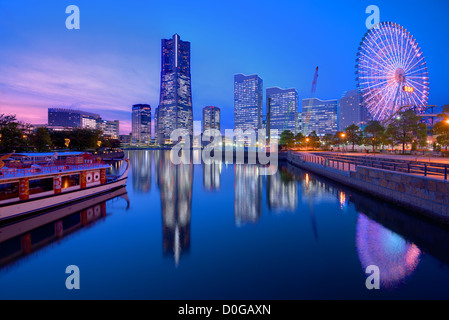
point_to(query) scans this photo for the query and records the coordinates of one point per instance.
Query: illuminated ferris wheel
(391, 72)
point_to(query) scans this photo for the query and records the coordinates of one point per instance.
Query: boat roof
(48, 154)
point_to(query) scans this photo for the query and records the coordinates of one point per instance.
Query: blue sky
(113, 61)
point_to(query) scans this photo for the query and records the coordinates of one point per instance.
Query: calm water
(224, 232)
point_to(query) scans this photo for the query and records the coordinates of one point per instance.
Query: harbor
(222, 231)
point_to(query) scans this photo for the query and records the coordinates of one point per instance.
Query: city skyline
(101, 70)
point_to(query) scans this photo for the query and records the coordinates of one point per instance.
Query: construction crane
(314, 83)
(312, 93)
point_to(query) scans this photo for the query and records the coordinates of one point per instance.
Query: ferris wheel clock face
(391, 71)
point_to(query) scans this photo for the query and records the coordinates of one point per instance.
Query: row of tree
(18, 137)
(404, 129)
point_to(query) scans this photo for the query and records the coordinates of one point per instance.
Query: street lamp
(343, 135)
(307, 144)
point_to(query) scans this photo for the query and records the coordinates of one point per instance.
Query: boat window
(9, 191)
(70, 181)
(41, 185)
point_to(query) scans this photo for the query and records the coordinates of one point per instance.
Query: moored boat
(34, 187)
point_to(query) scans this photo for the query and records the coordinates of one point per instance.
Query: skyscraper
(319, 116)
(284, 109)
(175, 105)
(248, 102)
(141, 123)
(351, 110)
(211, 118)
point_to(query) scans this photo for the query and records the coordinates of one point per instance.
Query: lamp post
(307, 144)
(343, 135)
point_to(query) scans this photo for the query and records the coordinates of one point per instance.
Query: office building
(111, 129)
(69, 118)
(351, 111)
(211, 118)
(248, 102)
(319, 116)
(141, 123)
(283, 110)
(175, 105)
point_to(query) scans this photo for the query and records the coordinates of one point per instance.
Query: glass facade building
(211, 118)
(351, 110)
(320, 116)
(110, 129)
(284, 109)
(248, 102)
(141, 123)
(175, 104)
(69, 118)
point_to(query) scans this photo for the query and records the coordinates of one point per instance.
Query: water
(225, 232)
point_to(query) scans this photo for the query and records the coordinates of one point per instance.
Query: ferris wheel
(391, 72)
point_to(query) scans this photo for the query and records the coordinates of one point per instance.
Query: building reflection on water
(247, 194)
(385, 235)
(175, 184)
(22, 238)
(212, 176)
(141, 170)
(282, 191)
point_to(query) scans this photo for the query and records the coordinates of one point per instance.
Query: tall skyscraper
(175, 105)
(141, 123)
(351, 110)
(211, 118)
(319, 116)
(284, 109)
(248, 102)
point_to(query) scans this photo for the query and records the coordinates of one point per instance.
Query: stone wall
(426, 195)
(423, 193)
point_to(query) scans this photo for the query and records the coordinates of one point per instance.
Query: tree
(41, 140)
(354, 135)
(286, 139)
(373, 134)
(299, 139)
(82, 139)
(12, 135)
(387, 138)
(405, 128)
(339, 139)
(441, 128)
(328, 141)
(314, 140)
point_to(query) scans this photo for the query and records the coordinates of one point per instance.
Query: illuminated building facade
(211, 118)
(141, 123)
(248, 102)
(351, 110)
(68, 118)
(319, 116)
(175, 105)
(284, 109)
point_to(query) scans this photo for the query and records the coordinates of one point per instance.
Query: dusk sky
(113, 61)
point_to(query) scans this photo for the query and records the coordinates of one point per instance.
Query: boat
(25, 236)
(33, 184)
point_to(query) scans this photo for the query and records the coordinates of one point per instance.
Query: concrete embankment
(428, 196)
